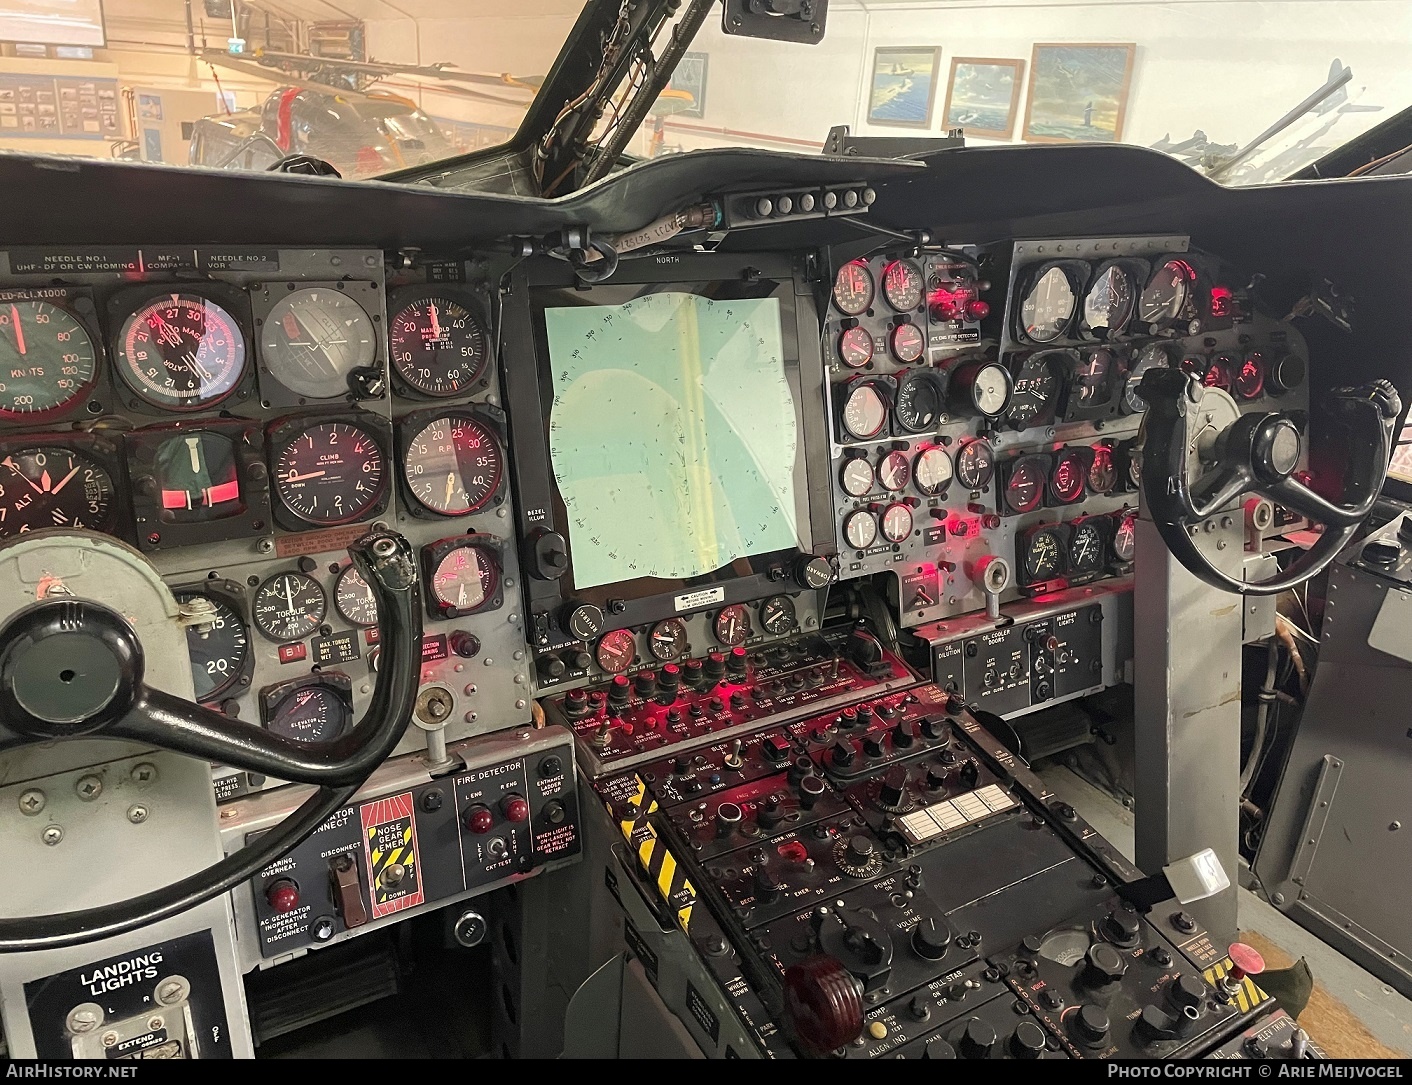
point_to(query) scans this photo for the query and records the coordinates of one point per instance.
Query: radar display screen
(674, 433)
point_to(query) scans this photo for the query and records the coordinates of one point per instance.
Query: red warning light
(1221, 303)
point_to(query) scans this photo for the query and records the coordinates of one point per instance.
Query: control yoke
(1200, 456)
(71, 668)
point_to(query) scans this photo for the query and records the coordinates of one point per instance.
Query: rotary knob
(1188, 990)
(865, 715)
(938, 1048)
(842, 754)
(645, 683)
(893, 791)
(1122, 928)
(771, 812)
(873, 746)
(727, 819)
(1091, 1024)
(859, 851)
(1027, 1041)
(905, 734)
(692, 672)
(1104, 965)
(823, 1004)
(576, 704)
(735, 662)
(933, 727)
(714, 668)
(775, 749)
(619, 692)
(766, 886)
(936, 779)
(931, 938)
(970, 773)
(977, 1039)
(811, 790)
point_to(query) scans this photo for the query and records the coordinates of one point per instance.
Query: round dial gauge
(894, 471)
(181, 352)
(896, 522)
(353, 599)
(1219, 374)
(855, 347)
(1024, 490)
(218, 651)
(777, 614)
(1151, 357)
(1110, 301)
(920, 402)
(1044, 557)
(975, 464)
(1036, 392)
(465, 579)
(616, 651)
(47, 359)
(1135, 466)
(438, 346)
(1048, 307)
(864, 412)
(856, 477)
(53, 487)
(197, 478)
(668, 639)
(453, 465)
(289, 606)
(985, 386)
(1166, 293)
(902, 285)
(732, 625)
(932, 471)
(1067, 479)
(860, 530)
(1092, 376)
(1249, 379)
(311, 714)
(314, 338)
(1125, 539)
(853, 288)
(1102, 471)
(332, 473)
(908, 342)
(1085, 549)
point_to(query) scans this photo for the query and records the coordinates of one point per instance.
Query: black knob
(1122, 928)
(893, 791)
(1188, 989)
(1153, 1025)
(1027, 1041)
(936, 778)
(937, 1048)
(579, 661)
(920, 1007)
(905, 734)
(813, 573)
(551, 668)
(931, 938)
(970, 773)
(576, 704)
(771, 812)
(865, 715)
(842, 754)
(735, 662)
(466, 645)
(766, 886)
(848, 719)
(859, 851)
(727, 818)
(977, 1039)
(774, 748)
(801, 767)
(887, 711)
(715, 667)
(645, 682)
(1091, 1023)
(551, 767)
(619, 691)
(680, 765)
(873, 746)
(811, 790)
(933, 727)
(738, 701)
(1382, 552)
(1105, 965)
(692, 672)
(584, 621)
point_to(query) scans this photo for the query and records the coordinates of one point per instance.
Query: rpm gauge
(975, 464)
(289, 606)
(932, 471)
(668, 639)
(908, 342)
(453, 465)
(616, 651)
(311, 714)
(894, 471)
(777, 614)
(464, 581)
(354, 600)
(53, 487)
(864, 411)
(218, 650)
(857, 477)
(1043, 556)
(314, 338)
(47, 360)
(331, 473)
(732, 625)
(1048, 306)
(1085, 549)
(902, 285)
(438, 346)
(853, 288)
(1109, 302)
(855, 347)
(181, 352)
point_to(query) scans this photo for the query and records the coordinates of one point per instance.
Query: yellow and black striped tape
(1247, 997)
(656, 861)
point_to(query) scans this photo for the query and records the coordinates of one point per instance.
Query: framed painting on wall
(1078, 93)
(903, 86)
(983, 95)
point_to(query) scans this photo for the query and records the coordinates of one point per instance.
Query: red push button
(479, 819)
(515, 807)
(282, 895)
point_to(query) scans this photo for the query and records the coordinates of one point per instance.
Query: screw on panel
(109, 1039)
(32, 801)
(172, 990)
(52, 834)
(84, 1018)
(144, 772)
(137, 813)
(88, 787)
